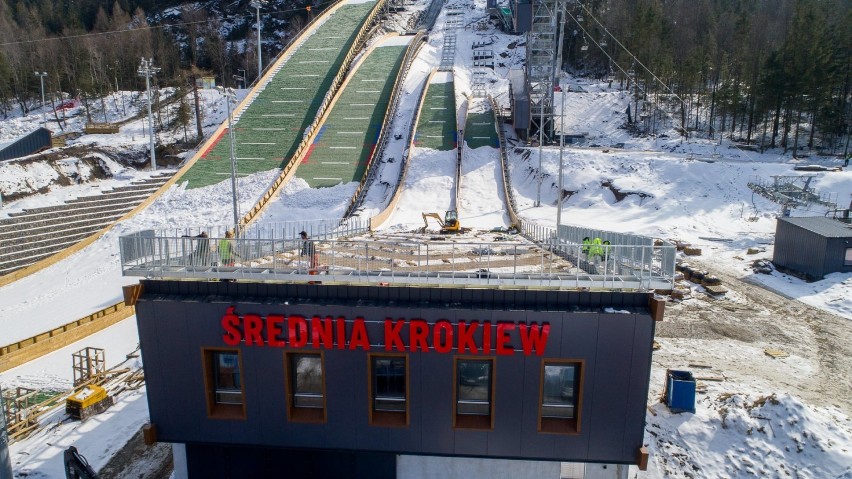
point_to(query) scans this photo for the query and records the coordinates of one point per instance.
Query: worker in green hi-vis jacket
(226, 249)
(596, 250)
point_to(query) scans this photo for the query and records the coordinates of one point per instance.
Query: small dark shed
(814, 246)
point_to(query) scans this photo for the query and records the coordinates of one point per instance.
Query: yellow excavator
(449, 224)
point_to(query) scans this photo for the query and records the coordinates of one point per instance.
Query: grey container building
(28, 144)
(813, 246)
(257, 378)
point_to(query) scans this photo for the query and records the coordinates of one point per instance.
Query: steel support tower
(542, 66)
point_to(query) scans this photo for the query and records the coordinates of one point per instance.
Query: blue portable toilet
(680, 391)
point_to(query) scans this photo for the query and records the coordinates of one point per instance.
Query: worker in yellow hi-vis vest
(596, 250)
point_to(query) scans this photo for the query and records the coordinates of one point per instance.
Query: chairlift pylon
(585, 45)
(602, 42)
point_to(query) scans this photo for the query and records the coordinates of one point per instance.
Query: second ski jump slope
(269, 130)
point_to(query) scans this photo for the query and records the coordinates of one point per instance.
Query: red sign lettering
(273, 330)
(321, 332)
(296, 331)
(359, 335)
(230, 322)
(503, 346)
(465, 336)
(393, 341)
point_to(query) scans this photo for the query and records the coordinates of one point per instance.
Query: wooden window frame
(216, 410)
(467, 421)
(387, 418)
(304, 414)
(551, 425)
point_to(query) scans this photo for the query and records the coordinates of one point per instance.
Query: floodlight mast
(146, 69)
(229, 97)
(257, 4)
(561, 113)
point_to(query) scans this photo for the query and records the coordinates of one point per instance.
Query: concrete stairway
(37, 233)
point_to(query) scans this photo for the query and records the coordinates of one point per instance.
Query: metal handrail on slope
(380, 218)
(504, 166)
(384, 135)
(454, 204)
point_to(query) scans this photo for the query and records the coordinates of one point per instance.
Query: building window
(388, 390)
(847, 261)
(560, 397)
(223, 382)
(474, 381)
(306, 386)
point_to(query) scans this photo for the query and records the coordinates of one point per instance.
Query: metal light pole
(540, 143)
(561, 149)
(561, 115)
(41, 76)
(146, 69)
(257, 4)
(229, 96)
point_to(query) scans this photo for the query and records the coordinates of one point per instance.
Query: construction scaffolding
(88, 363)
(542, 65)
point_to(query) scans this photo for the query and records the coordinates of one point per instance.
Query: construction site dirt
(750, 319)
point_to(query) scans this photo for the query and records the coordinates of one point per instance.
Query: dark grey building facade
(335, 380)
(813, 246)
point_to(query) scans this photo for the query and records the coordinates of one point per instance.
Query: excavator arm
(437, 217)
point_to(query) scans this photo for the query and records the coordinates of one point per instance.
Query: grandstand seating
(37, 233)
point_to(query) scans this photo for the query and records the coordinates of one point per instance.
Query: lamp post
(561, 149)
(561, 115)
(257, 4)
(540, 143)
(146, 69)
(41, 76)
(231, 96)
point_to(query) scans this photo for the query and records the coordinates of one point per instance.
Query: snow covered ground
(754, 424)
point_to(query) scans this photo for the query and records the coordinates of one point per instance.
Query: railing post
(515, 261)
(453, 262)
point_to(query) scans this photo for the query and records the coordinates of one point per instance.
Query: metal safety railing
(504, 165)
(550, 264)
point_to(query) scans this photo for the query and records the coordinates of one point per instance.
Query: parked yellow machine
(449, 224)
(87, 401)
